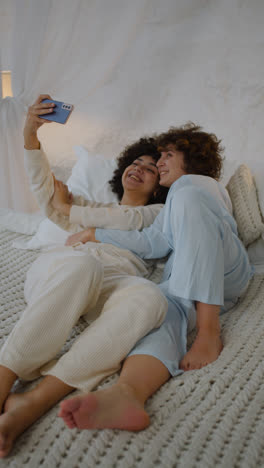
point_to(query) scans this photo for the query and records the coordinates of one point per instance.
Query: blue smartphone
(61, 112)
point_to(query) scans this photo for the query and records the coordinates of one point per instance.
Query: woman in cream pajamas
(66, 283)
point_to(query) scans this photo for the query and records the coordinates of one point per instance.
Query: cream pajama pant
(100, 282)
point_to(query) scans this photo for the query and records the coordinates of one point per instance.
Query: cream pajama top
(84, 213)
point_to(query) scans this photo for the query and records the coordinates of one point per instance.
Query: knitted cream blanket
(213, 417)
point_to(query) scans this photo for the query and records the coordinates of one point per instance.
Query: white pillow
(24, 223)
(47, 235)
(89, 178)
(62, 169)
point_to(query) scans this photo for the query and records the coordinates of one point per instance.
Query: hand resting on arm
(149, 243)
(88, 235)
(62, 198)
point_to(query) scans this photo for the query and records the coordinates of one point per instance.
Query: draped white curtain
(131, 68)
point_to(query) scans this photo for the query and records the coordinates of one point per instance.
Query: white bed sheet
(192, 416)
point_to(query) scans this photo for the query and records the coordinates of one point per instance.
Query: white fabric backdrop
(132, 68)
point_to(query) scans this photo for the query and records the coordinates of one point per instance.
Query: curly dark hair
(201, 150)
(145, 146)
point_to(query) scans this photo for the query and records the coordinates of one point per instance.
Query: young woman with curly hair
(206, 272)
(202, 151)
(130, 153)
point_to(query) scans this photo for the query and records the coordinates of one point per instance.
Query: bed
(206, 418)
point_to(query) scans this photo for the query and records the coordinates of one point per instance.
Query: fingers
(41, 121)
(54, 179)
(40, 109)
(70, 240)
(58, 185)
(61, 186)
(41, 97)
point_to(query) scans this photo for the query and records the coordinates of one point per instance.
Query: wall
(132, 68)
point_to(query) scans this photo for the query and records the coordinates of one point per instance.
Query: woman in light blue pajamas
(206, 271)
(211, 266)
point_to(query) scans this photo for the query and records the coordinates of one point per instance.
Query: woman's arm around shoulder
(149, 243)
(114, 216)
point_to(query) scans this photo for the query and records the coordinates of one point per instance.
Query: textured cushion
(256, 252)
(243, 194)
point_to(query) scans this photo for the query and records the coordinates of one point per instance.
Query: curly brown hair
(145, 146)
(201, 150)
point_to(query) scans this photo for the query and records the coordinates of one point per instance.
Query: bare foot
(205, 349)
(7, 378)
(19, 413)
(115, 408)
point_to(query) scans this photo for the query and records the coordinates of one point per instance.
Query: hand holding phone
(61, 111)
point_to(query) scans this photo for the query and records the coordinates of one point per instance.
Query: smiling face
(141, 176)
(170, 166)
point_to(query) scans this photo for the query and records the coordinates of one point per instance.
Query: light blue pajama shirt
(207, 262)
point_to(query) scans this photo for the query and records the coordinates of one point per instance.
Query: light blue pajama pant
(209, 262)
(169, 342)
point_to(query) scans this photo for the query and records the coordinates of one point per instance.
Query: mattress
(213, 417)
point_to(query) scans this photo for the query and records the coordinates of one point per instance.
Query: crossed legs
(150, 364)
(153, 360)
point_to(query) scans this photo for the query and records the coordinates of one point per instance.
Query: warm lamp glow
(6, 84)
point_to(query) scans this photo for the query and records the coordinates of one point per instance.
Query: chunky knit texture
(243, 193)
(213, 417)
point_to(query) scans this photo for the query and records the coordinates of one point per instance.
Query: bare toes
(70, 405)
(5, 444)
(70, 422)
(184, 366)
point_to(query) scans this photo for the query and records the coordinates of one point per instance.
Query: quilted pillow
(243, 194)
